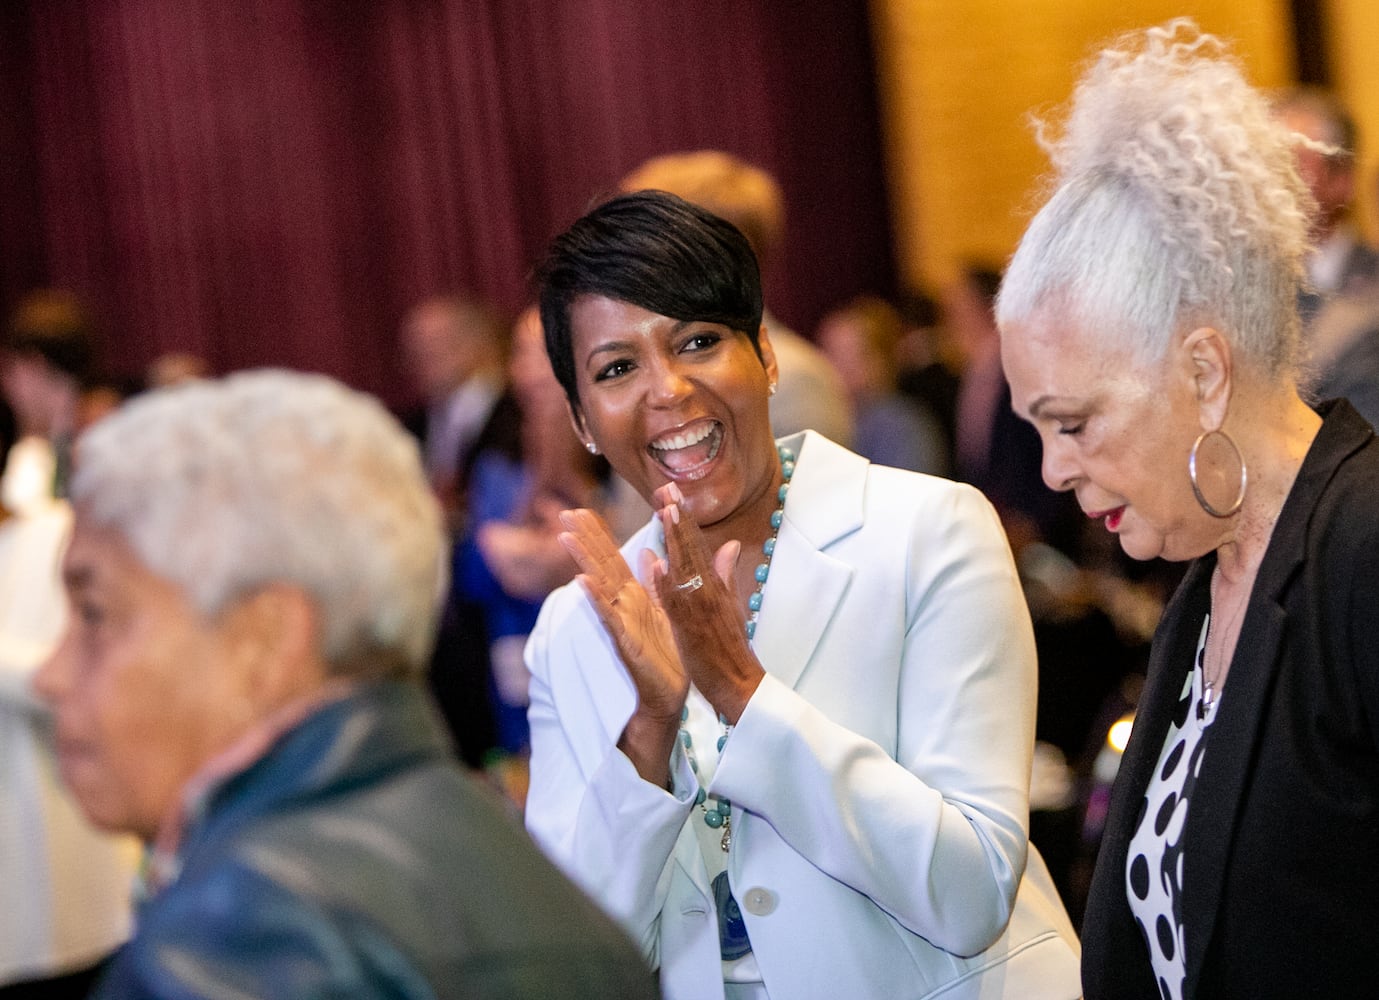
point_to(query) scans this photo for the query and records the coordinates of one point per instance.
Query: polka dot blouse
(1154, 868)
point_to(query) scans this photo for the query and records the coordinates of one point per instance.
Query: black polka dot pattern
(1154, 866)
(1171, 764)
(1165, 814)
(1139, 877)
(1165, 932)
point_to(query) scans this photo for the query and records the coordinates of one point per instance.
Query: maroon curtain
(22, 259)
(275, 181)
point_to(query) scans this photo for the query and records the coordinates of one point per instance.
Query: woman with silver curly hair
(1150, 332)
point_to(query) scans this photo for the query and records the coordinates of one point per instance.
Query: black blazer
(1281, 869)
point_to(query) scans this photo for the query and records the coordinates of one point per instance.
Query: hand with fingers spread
(707, 619)
(641, 632)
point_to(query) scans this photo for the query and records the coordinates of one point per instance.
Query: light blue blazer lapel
(806, 585)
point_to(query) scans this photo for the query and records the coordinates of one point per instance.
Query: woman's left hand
(700, 598)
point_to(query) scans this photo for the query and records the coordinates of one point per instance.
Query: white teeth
(678, 441)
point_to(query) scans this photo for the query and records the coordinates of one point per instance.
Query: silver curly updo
(1176, 202)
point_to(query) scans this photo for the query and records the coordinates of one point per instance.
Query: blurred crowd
(912, 381)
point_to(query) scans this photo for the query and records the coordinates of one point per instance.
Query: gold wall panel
(1353, 31)
(958, 79)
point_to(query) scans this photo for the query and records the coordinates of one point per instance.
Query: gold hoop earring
(1192, 475)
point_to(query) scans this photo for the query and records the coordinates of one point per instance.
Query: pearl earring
(771, 389)
(593, 448)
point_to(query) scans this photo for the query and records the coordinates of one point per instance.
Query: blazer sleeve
(936, 836)
(586, 806)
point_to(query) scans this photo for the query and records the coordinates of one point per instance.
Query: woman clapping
(784, 733)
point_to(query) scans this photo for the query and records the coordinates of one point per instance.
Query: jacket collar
(343, 735)
(1343, 432)
(825, 504)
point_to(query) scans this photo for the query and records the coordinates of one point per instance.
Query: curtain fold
(276, 181)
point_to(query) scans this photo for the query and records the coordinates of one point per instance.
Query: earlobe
(581, 432)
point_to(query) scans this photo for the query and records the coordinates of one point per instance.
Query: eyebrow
(610, 347)
(614, 346)
(1037, 408)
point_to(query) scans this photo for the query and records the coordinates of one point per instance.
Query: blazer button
(759, 901)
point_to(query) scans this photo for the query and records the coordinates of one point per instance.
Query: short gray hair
(1176, 202)
(277, 477)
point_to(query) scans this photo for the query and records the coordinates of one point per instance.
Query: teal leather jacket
(354, 859)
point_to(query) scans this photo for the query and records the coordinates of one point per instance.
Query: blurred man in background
(1341, 308)
(456, 349)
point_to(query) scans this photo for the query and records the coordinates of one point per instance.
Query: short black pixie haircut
(652, 250)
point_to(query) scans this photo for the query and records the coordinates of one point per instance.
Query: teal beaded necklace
(717, 810)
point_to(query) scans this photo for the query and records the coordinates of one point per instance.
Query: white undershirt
(454, 423)
(1154, 863)
(704, 729)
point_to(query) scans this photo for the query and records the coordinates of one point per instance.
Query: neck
(1274, 437)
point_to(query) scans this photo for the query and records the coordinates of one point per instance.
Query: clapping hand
(686, 624)
(635, 621)
(698, 594)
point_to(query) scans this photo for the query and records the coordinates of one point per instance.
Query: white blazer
(879, 775)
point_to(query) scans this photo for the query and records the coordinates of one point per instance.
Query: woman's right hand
(634, 619)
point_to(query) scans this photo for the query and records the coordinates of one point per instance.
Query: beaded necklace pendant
(733, 941)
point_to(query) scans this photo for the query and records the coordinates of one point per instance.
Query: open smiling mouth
(688, 454)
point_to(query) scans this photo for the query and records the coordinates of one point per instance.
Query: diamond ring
(692, 584)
